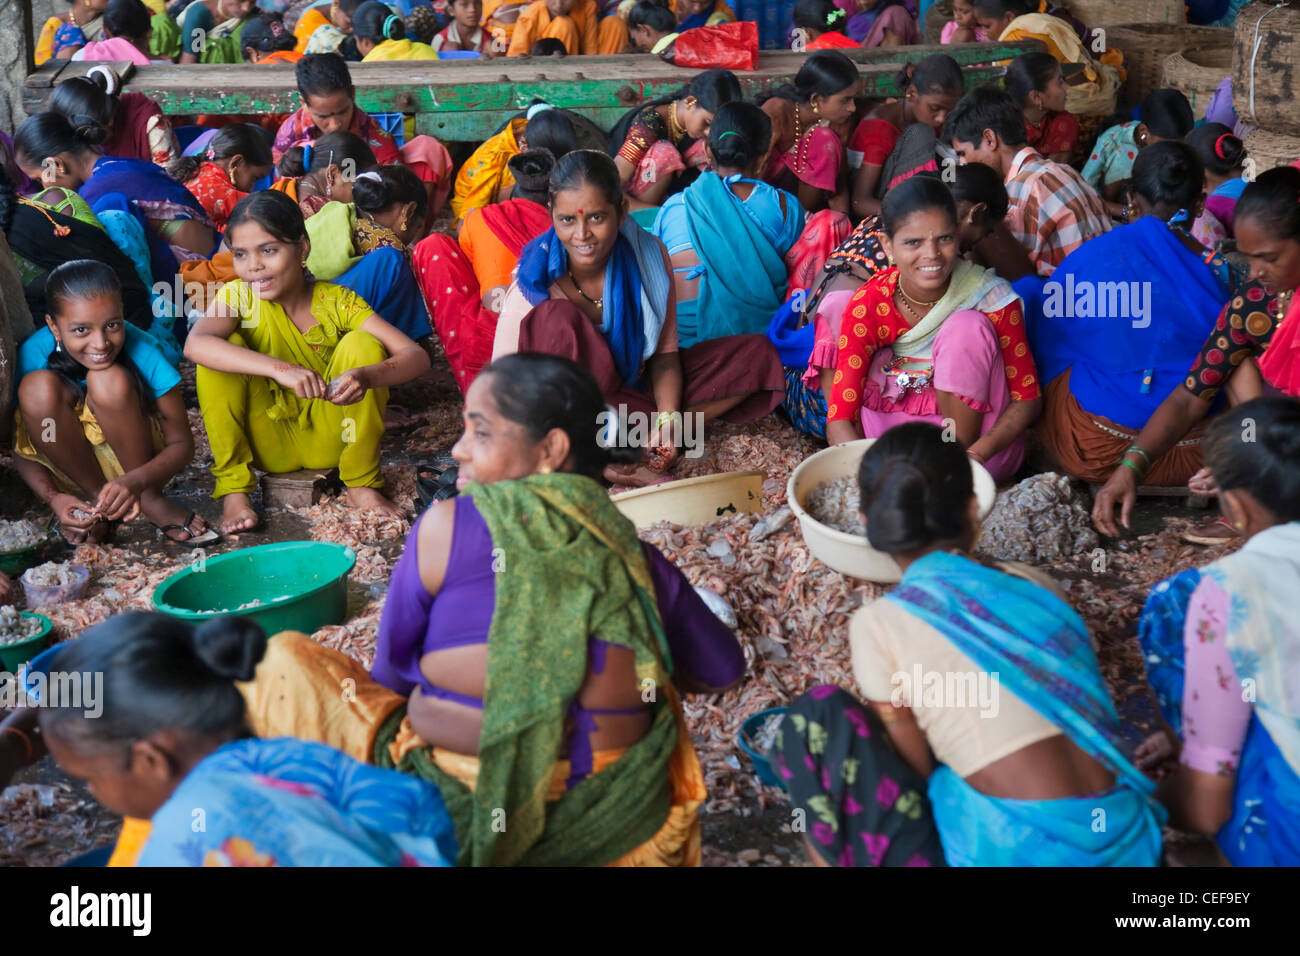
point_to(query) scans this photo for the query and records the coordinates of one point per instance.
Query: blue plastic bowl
(459, 55)
(762, 765)
(40, 664)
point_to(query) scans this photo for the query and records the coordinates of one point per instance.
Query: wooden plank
(468, 99)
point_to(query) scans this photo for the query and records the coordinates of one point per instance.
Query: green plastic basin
(14, 563)
(14, 656)
(290, 586)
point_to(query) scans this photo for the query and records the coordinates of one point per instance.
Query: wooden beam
(466, 100)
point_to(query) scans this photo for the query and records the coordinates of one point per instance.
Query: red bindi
(581, 213)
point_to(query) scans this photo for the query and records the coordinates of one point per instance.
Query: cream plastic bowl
(850, 553)
(693, 500)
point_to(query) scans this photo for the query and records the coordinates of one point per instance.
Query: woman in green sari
(531, 648)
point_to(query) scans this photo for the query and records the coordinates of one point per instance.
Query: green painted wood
(466, 100)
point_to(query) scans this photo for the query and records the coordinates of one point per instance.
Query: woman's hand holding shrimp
(119, 499)
(349, 388)
(304, 382)
(74, 514)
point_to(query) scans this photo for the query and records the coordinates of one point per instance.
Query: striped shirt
(1052, 209)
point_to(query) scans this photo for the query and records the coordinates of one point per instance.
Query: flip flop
(1218, 531)
(207, 536)
(436, 484)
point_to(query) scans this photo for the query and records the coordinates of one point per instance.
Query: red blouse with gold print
(872, 321)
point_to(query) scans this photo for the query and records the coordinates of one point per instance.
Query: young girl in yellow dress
(293, 373)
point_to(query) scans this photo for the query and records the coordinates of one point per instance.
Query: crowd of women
(960, 274)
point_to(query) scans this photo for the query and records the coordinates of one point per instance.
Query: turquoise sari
(741, 246)
(1040, 650)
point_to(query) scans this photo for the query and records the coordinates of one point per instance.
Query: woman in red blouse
(1034, 80)
(898, 139)
(226, 171)
(934, 338)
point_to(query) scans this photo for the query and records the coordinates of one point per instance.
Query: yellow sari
(485, 174)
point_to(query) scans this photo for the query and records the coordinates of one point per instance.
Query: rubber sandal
(1218, 531)
(207, 536)
(437, 483)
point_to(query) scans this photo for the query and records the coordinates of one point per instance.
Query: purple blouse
(416, 622)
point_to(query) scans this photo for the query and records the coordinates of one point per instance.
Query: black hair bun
(230, 646)
(88, 129)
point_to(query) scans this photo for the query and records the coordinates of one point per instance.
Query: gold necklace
(1282, 299)
(918, 302)
(800, 147)
(598, 303)
(675, 129)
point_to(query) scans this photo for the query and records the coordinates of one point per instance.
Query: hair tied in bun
(1218, 146)
(110, 78)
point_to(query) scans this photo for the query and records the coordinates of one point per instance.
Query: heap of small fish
(1041, 519)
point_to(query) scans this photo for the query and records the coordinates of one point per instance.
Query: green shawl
(571, 566)
(332, 251)
(165, 41)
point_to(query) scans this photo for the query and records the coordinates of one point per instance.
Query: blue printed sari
(1264, 645)
(1040, 650)
(288, 802)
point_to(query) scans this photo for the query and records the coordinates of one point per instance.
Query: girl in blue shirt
(101, 424)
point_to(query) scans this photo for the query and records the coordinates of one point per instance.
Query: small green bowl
(299, 586)
(14, 563)
(14, 656)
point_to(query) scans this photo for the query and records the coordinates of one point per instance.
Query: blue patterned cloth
(288, 802)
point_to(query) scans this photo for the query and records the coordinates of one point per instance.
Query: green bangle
(1140, 452)
(1139, 471)
(663, 418)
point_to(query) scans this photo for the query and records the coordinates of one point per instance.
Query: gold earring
(402, 227)
(816, 111)
(231, 174)
(545, 470)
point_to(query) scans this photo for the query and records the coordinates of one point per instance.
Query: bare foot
(237, 513)
(372, 499)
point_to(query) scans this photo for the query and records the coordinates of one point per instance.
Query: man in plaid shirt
(1052, 209)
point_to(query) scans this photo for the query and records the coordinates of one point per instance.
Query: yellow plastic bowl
(850, 553)
(694, 500)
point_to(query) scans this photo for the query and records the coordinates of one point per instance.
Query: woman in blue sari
(1222, 648)
(1116, 327)
(988, 737)
(168, 734)
(727, 234)
(175, 224)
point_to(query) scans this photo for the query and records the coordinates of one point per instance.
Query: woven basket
(938, 14)
(1265, 88)
(1146, 46)
(1197, 74)
(1104, 13)
(1265, 150)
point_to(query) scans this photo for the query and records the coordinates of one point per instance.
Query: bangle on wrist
(1138, 471)
(1140, 452)
(664, 418)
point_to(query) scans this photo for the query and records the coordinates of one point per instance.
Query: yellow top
(391, 50)
(485, 174)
